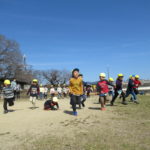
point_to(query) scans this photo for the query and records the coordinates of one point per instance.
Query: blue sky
(89, 34)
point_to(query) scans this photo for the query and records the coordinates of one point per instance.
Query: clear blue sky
(88, 34)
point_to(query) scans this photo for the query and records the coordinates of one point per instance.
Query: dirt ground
(23, 127)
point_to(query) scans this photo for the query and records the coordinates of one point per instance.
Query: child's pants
(5, 104)
(134, 98)
(116, 95)
(75, 100)
(33, 100)
(102, 100)
(8, 101)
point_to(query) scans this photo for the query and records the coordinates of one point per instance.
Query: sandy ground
(23, 124)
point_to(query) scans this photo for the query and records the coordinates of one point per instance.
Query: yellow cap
(34, 80)
(120, 75)
(137, 76)
(7, 82)
(111, 79)
(102, 75)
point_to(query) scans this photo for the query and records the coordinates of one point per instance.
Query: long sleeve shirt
(8, 92)
(33, 90)
(76, 86)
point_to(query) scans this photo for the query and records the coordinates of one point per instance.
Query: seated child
(51, 104)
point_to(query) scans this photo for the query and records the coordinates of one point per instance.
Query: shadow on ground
(68, 112)
(94, 108)
(33, 107)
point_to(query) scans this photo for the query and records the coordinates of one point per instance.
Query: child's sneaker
(103, 108)
(124, 103)
(111, 104)
(5, 111)
(136, 102)
(75, 113)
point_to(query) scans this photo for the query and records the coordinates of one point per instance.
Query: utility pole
(108, 71)
(24, 61)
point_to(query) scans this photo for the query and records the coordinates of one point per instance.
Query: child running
(34, 92)
(83, 97)
(137, 83)
(110, 87)
(118, 90)
(76, 90)
(8, 94)
(102, 89)
(130, 89)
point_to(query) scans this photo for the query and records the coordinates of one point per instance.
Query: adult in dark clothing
(118, 90)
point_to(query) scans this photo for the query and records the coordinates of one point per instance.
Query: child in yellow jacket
(76, 90)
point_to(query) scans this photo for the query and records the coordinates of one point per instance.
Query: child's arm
(111, 84)
(70, 87)
(98, 89)
(29, 91)
(38, 90)
(57, 105)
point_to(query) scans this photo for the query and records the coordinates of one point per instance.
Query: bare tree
(12, 66)
(11, 61)
(55, 77)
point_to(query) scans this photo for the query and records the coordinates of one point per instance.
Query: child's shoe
(75, 113)
(103, 109)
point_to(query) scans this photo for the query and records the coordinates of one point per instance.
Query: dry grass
(119, 128)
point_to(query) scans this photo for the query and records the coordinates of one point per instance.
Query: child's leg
(31, 99)
(114, 97)
(34, 101)
(134, 96)
(127, 93)
(105, 100)
(79, 101)
(73, 102)
(5, 105)
(102, 101)
(123, 98)
(84, 99)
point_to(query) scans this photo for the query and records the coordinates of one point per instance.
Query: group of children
(104, 88)
(117, 89)
(77, 88)
(34, 91)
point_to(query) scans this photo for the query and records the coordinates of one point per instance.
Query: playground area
(120, 127)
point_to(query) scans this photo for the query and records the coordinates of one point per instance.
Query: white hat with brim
(55, 99)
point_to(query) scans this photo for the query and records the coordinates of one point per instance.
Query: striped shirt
(8, 92)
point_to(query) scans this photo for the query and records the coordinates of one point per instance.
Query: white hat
(55, 99)
(102, 75)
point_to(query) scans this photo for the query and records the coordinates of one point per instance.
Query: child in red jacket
(137, 83)
(102, 89)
